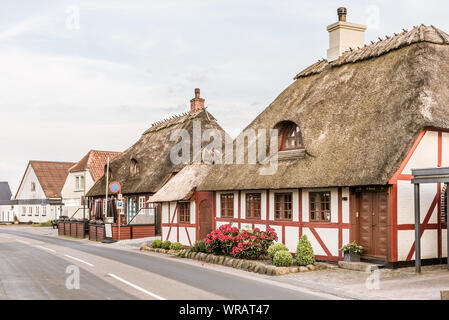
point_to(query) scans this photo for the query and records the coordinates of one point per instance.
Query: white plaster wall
(406, 207)
(444, 244)
(445, 150)
(291, 238)
(173, 213)
(25, 192)
(317, 250)
(192, 213)
(405, 242)
(164, 217)
(52, 213)
(278, 230)
(183, 238)
(425, 155)
(346, 236)
(330, 239)
(262, 227)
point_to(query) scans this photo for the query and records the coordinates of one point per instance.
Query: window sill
(291, 154)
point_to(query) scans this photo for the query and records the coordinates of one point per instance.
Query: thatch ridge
(418, 34)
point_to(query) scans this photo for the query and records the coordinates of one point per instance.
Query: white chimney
(344, 35)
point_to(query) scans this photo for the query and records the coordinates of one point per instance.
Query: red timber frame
(436, 203)
(198, 197)
(299, 224)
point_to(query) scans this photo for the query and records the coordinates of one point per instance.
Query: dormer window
(134, 168)
(289, 136)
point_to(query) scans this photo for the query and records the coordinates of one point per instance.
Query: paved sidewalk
(398, 284)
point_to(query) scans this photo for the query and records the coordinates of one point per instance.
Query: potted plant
(352, 252)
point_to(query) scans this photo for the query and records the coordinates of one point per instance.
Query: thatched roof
(358, 115)
(152, 152)
(183, 184)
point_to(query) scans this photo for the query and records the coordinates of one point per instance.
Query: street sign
(120, 197)
(119, 204)
(114, 187)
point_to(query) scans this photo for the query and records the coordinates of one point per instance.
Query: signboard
(120, 197)
(108, 230)
(119, 204)
(114, 187)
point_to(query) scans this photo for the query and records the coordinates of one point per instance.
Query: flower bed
(242, 249)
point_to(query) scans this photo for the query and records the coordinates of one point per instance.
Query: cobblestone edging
(242, 264)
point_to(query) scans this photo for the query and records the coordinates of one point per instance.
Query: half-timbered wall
(173, 229)
(326, 237)
(431, 149)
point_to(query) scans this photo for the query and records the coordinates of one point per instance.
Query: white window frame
(33, 186)
(44, 211)
(30, 211)
(37, 211)
(79, 183)
(24, 211)
(141, 203)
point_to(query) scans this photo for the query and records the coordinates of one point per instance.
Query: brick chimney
(344, 35)
(196, 103)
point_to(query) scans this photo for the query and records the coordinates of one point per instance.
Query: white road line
(136, 287)
(89, 264)
(22, 241)
(48, 249)
(6, 237)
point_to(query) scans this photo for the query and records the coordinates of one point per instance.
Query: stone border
(242, 264)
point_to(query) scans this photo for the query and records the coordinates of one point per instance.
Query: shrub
(249, 244)
(304, 252)
(176, 246)
(166, 245)
(282, 258)
(199, 246)
(275, 248)
(156, 243)
(222, 240)
(182, 253)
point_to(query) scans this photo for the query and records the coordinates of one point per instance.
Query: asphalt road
(33, 266)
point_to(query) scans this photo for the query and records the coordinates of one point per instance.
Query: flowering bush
(222, 240)
(249, 244)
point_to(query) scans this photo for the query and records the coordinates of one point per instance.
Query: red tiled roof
(51, 176)
(94, 161)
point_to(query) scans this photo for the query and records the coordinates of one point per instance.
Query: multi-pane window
(253, 205)
(44, 211)
(227, 205)
(184, 212)
(30, 211)
(79, 183)
(141, 202)
(36, 213)
(320, 206)
(291, 137)
(283, 206)
(24, 211)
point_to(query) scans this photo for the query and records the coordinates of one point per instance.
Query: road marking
(89, 264)
(136, 287)
(6, 237)
(22, 241)
(48, 249)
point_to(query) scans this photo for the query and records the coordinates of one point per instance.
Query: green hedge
(156, 244)
(199, 246)
(176, 246)
(275, 248)
(282, 258)
(166, 244)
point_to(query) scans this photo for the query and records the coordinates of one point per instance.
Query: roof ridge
(377, 48)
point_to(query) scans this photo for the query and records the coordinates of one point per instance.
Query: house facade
(38, 198)
(147, 166)
(351, 127)
(7, 212)
(82, 176)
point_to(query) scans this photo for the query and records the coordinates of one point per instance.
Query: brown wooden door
(373, 223)
(205, 219)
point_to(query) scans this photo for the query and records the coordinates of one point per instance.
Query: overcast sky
(81, 75)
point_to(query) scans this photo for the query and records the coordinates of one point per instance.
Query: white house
(6, 204)
(38, 198)
(82, 176)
